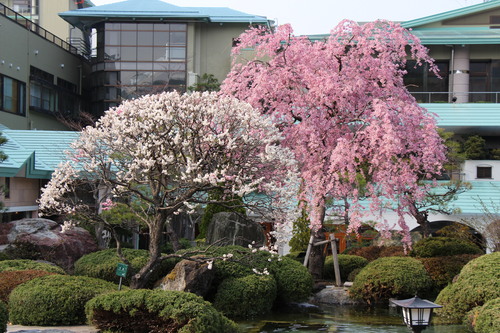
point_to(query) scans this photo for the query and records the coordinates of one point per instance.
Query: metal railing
(456, 97)
(33, 27)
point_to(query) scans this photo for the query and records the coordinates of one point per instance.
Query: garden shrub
(486, 318)
(384, 278)
(25, 264)
(293, 280)
(442, 270)
(248, 296)
(54, 299)
(4, 317)
(443, 246)
(11, 279)
(156, 310)
(102, 265)
(4, 256)
(374, 252)
(477, 283)
(347, 263)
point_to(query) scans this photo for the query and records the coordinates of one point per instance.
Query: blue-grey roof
(157, 10)
(34, 154)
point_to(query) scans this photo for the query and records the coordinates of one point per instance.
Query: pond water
(339, 319)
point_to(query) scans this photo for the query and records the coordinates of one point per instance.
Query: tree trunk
(422, 220)
(141, 279)
(317, 257)
(172, 236)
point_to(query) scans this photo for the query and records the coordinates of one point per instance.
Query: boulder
(229, 228)
(44, 238)
(190, 276)
(334, 295)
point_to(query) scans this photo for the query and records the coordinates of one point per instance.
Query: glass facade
(484, 81)
(134, 59)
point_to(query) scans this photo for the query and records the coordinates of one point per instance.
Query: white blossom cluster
(169, 149)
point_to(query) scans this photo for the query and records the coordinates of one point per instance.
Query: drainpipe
(451, 94)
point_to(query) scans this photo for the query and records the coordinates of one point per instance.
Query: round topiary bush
(347, 264)
(442, 270)
(54, 299)
(247, 296)
(443, 246)
(293, 280)
(486, 318)
(374, 252)
(25, 264)
(102, 265)
(4, 317)
(11, 279)
(384, 278)
(477, 283)
(144, 310)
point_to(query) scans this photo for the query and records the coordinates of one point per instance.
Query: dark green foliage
(156, 311)
(208, 82)
(233, 204)
(442, 270)
(297, 256)
(247, 296)
(301, 233)
(374, 252)
(168, 247)
(478, 282)
(293, 280)
(4, 317)
(391, 277)
(11, 279)
(4, 256)
(475, 148)
(486, 318)
(23, 250)
(347, 263)
(443, 246)
(25, 264)
(102, 265)
(54, 300)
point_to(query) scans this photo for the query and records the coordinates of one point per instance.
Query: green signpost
(121, 271)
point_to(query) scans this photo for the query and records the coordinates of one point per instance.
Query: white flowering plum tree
(164, 152)
(345, 111)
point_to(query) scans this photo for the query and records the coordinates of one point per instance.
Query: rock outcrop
(44, 237)
(229, 228)
(190, 276)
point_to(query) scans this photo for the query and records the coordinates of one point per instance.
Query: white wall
(469, 169)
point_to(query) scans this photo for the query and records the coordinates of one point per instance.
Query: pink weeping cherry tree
(163, 153)
(344, 110)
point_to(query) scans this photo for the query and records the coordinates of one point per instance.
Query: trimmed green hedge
(11, 279)
(26, 264)
(144, 310)
(391, 277)
(293, 280)
(54, 300)
(247, 296)
(478, 282)
(4, 317)
(102, 265)
(442, 270)
(486, 318)
(347, 264)
(443, 246)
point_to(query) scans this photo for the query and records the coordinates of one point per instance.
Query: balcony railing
(33, 27)
(456, 97)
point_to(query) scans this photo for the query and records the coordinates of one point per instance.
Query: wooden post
(308, 252)
(335, 257)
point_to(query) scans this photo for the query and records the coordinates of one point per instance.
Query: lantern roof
(416, 303)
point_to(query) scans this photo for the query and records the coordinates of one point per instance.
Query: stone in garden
(190, 276)
(45, 237)
(229, 228)
(334, 295)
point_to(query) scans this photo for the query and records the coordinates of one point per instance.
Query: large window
(484, 81)
(12, 95)
(424, 85)
(42, 91)
(134, 59)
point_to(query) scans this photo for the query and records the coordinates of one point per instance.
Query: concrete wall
(470, 169)
(24, 193)
(21, 48)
